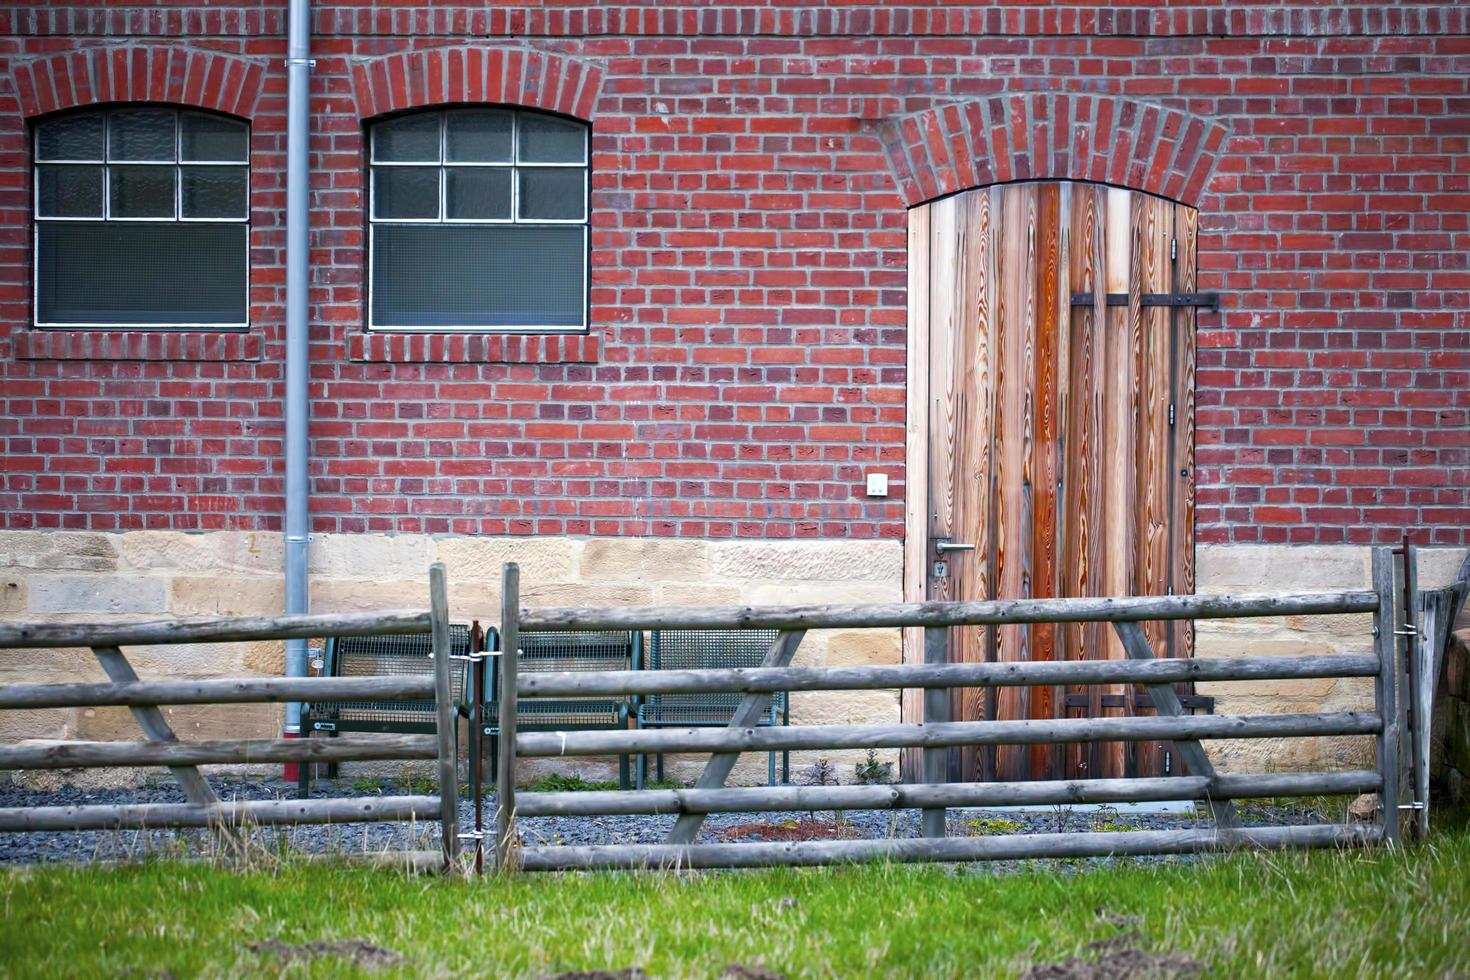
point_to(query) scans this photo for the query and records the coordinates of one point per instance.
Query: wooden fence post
(506, 852)
(1385, 689)
(446, 717)
(936, 709)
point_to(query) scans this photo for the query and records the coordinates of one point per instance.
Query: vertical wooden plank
(1083, 533)
(446, 715)
(1013, 461)
(943, 408)
(507, 845)
(1155, 227)
(916, 464)
(1118, 472)
(946, 255)
(1043, 449)
(1181, 467)
(969, 571)
(995, 266)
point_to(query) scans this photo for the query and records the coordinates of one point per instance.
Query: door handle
(942, 545)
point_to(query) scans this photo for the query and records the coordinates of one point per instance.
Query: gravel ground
(366, 837)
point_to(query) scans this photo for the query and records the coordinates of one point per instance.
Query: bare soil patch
(359, 952)
(790, 830)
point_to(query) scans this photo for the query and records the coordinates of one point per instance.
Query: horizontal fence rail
(1137, 668)
(235, 629)
(926, 795)
(914, 849)
(751, 680)
(401, 687)
(650, 741)
(204, 808)
(1083, 610)
(79, 755)
(149, 816)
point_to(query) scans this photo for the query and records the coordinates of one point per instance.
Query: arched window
(142, 219)
(478, 220)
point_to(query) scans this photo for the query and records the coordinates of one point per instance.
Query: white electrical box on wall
(877, 484)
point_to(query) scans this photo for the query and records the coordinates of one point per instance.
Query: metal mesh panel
(697, 649)
(568, 650)
(379, 656)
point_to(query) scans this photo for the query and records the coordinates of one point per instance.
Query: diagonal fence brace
(1166, 702)
(718, 769)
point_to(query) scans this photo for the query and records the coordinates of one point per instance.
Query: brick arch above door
(1107, 139)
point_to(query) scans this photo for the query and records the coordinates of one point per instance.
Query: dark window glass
(478, 136)
(74, 137)
(479, 220)
(553, 193)
(214, 192)
(142, 134)
(140, 273)
(151, 231)
(547, 139)
(411, 139)
(141, 192)
(69, 191)
(406, 192)
(478, 276)
(212, 139)
(478, 192)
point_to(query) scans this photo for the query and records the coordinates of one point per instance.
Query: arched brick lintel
(176, 73)
(1052, 136)
(476, 73)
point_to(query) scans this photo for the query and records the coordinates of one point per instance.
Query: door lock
(943, 545)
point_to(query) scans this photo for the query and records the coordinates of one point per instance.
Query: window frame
(106, 163)
(514, 165)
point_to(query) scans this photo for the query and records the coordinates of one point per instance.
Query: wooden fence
(1385, 723)
(162, 748)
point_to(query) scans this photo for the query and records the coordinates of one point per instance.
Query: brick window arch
(474, 74)
(170, 73)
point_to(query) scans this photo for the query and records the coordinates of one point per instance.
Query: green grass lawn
(1359, 914)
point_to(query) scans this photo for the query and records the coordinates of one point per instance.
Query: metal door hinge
(1171, 413)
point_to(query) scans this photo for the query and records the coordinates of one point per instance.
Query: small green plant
(871, 772)
(1106, 819)
(420, 785)
(992, 826)
(367, 784)
(574, 783)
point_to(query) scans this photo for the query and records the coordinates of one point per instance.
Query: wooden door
(1060, 439)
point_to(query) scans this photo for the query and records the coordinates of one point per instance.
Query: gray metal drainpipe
(298, 527)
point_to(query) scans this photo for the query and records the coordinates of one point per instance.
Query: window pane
(141, 192)
(546, 139)
(478, 192)
(69, 191)
(77, 137)
(212, 138)
(214, 192)
(478, 276)
(142, 274)
(556, 193)
(405, 192)
(478, 136)
(141, 134)
(412, 139)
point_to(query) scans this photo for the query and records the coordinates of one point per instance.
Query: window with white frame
(478, 221)
(142, 219)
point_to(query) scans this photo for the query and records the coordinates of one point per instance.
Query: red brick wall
(751, 168)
